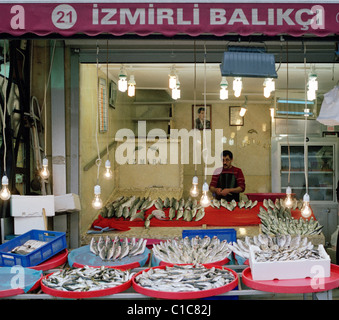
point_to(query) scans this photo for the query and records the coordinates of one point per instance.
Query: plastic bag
(329, 112)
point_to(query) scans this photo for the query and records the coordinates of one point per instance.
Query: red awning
(216, 18)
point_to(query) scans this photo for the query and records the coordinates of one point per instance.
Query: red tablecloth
(213, 217)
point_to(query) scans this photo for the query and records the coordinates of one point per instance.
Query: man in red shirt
(227, 182)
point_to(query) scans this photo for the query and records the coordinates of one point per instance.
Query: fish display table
(83, 256)
(307, 285)
(218, 217)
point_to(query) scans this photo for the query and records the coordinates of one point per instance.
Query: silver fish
(216, 203)
(248, 204)
(159, 204)
(223, 203)
(187, 216)
(125, 212)
(254, 203)
(180, 213)
(200, 214)
(171, 213)
(159, 214)
(94, 246)
(241, 204)
(124, 249)
(166, 202)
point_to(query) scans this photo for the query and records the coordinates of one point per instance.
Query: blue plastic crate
(56, 242)
(223, 234)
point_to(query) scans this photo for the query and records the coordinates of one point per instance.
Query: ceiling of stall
(292, 76)
(150, 62)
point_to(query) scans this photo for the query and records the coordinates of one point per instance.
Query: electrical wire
(205, 105)
(305, 129)
(108, 126)
(98, 160)
(5, 111)
(288, 107)
(194, 102)
(45, 97)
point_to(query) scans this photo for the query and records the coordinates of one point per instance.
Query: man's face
(227, 162)
(201, 115)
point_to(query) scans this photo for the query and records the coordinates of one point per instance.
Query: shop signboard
(168, 18)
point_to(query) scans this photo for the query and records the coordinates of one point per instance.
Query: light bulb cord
(287, 131)
(305, 129)
(44, 108)
(194, 102)
(204, 131)
(98, 160)
(107, 86)
(5, 110)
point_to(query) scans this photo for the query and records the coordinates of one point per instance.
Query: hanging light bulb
(5, 194)
(205, 200)
(311, 95)
(131, 86)
(108, 172)
(306, 210)
(223, 89)
(237, 86)
(122, 83)
(313, 82)
(172, 82)
(269, 86)
(194, 192)
(312, 86)
(44, 173)
(97, 202)
(176, 91)
(288, 200)
(243, 110)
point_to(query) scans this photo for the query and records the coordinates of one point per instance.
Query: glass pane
(320, 171)
(320, 158)
(295, 154)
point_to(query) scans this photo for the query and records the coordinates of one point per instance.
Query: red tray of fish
(184, 294)
(83, 294)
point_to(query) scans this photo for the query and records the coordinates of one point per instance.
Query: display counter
(246, 222)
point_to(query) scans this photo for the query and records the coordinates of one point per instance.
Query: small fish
(166, 202)
(216, 203)
(200, 214)
(138, 216)
(148, 221)
(124, 249)
(94, 246)
(180, 213)
(159, 214)
(171, 213)
(159, 204)
(118, 212)
(248, 204)
(254, 203)
(241, 204)
(187, 216)
(125, 212)
(223, 203)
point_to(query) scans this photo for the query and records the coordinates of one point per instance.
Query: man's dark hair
(226, 153)
(201, 109)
